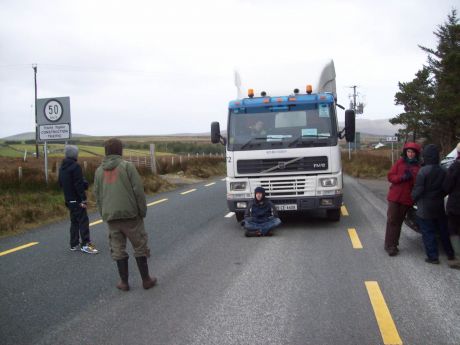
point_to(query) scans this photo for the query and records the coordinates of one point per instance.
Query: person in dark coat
(429, 197)
(451, 186)
(73, 183)
(260, 217)
(402, 176)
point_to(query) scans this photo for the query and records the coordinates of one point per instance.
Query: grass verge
(30, 204)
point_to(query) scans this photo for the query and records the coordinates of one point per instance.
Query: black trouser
(395, 217)
(79, 226)
(454, 224)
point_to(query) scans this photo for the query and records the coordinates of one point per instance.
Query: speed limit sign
(53, 118)
(53, 110)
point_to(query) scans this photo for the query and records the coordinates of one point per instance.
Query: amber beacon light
(309, 89)
(250, 93)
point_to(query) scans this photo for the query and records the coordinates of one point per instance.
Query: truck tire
(239, 216)
(333, 215)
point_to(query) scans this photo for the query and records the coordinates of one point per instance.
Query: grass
(367, 164)
(30, 203)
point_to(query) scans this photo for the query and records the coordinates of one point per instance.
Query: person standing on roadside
(401, 176)
(451, 186)
(73, 183)
(121, 202)
(429, 197)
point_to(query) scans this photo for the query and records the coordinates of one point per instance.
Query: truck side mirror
(349, 125)
(215, 132)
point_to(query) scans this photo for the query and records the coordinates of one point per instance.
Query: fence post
(85, 165)
(20, 173)
(180, 161)
(153, 165)
(172, 161)
(57, 167)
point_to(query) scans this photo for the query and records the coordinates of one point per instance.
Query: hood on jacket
(259, 190)
(413, 146)
(71, 151)
(430, 154)
(111, 162)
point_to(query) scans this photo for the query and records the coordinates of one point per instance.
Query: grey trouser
(132, 229)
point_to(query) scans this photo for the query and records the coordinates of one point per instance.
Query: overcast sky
(163, 67)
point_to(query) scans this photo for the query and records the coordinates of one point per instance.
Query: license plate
(292, 207)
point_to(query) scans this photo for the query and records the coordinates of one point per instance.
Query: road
(308, 284)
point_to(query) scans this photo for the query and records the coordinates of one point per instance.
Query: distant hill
(368, 128)
(31, 136)
(380, 127)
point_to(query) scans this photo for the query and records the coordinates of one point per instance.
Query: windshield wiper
(249, 142)
(302, 137)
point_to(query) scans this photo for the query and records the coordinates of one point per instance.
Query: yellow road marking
(354, 238)
(344, 210)
(230, 214)
(157, 202)
(209, 184)
(19, 248)
(189, 191)
(95, 222)
(382, 314)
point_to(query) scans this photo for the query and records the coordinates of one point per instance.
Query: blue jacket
(73, 183)
(428, 193)
(260, 211)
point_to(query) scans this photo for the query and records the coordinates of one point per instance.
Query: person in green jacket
(121, 202)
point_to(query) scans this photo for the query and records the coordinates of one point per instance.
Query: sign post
(392, 140)
(53, 120)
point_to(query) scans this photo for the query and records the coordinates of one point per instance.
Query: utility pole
(34, 66)
(354, 108)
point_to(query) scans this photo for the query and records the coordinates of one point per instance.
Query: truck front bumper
(293, 204)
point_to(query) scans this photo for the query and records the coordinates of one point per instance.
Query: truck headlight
(238, 185)
(328, 181)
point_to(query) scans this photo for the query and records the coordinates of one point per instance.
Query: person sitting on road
(73, 183)
(402, 176)
(429, 197)
(261, 216)
(451, 186)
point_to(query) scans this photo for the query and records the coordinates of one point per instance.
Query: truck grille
(250, 166)
(288, 186)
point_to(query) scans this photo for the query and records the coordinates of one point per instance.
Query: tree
(432, 100)
(416, 97)
(444, 65)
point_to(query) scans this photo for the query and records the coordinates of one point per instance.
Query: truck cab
(289, 146)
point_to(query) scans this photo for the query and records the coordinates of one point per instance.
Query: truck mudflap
(294, 204)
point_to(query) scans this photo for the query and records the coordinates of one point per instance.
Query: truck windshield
(308, 127)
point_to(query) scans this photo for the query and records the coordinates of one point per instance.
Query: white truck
(288, 145)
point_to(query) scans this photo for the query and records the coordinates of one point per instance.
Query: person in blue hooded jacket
(260, 217)
(428, 194)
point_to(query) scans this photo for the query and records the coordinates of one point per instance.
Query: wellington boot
(123, 271)
(455, 263)
(147, 281)
(455, 241)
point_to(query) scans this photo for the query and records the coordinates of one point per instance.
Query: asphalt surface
(305, 285)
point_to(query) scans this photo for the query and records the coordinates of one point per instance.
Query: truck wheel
(333, 215)
(239, 216)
